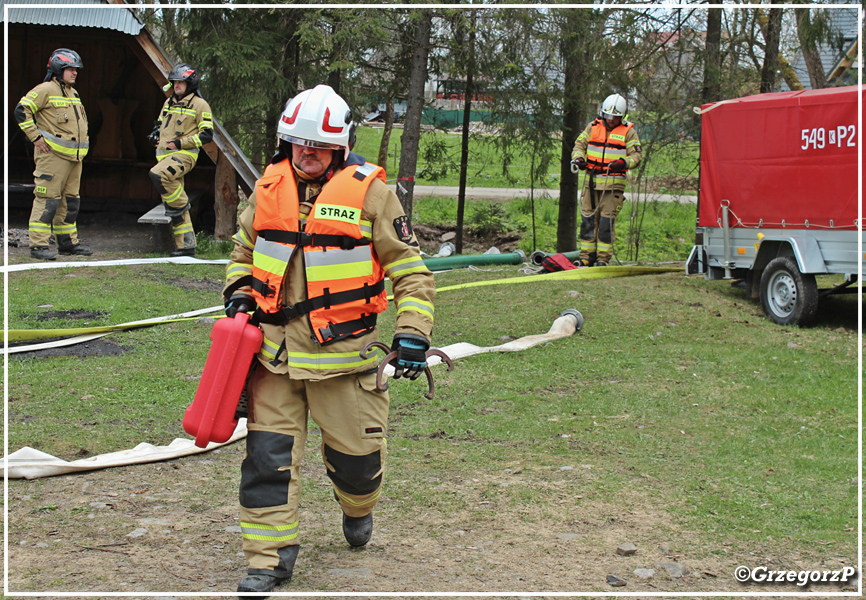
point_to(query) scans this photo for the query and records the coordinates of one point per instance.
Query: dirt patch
(172, 527)
(431, 239)
(671, 185)
(98, 347)
(185, 283)
(75, 314)
(109, 235)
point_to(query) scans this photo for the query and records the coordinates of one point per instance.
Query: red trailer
(779, 196)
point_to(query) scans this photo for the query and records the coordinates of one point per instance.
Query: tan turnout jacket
(53, 110)
(291, 348)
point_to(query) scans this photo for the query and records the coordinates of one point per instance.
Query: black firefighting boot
(600, 263)
(183, 252)
(77, 250)
(42, 253)
(358, 530)
(265, 580)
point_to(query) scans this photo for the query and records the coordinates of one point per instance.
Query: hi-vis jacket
(53, 111)
(345, 281)
(315, 262)
(600, 147)
(188, 122)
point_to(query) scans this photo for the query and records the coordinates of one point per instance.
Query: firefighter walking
(185, 125)
(606, 149)
(52, 116)
(320, 234)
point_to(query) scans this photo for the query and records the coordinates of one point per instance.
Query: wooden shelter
(121, 89)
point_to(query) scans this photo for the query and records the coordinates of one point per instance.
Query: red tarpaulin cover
(788, 156)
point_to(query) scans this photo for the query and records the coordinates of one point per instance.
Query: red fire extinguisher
(211, 416)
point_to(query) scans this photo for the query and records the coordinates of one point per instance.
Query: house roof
(843, 21)
(99, 15)
(118, 16)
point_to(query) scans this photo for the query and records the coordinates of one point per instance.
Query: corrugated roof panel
(96, 14)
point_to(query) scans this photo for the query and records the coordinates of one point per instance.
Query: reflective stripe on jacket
(345, 281)
(54, 111)
(605, 147)
(187, 120)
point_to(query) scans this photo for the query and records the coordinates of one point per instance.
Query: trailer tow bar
(839, 289)
(389, 356)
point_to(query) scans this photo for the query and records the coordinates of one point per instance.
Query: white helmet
(318, 118)
(614, 105)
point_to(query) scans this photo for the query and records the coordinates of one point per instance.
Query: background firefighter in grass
(606, 149)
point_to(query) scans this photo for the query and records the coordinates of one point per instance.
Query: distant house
(450, 92)
(840, 67)
(121, 88)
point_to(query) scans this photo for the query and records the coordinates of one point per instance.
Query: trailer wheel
(787, 295)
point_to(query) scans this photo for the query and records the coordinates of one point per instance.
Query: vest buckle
(327, 333)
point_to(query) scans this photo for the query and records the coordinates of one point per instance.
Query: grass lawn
(676, 386)
(669, 167)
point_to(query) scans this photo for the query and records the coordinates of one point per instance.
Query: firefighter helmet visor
(309, 143)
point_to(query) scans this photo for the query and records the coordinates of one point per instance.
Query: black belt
(300, 238)
(326, 300)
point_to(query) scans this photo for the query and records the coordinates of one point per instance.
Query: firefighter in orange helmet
(321, 232)
(607, 149)
(52, 116)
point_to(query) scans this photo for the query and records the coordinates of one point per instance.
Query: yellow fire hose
(21, 335)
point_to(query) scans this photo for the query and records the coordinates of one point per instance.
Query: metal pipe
(446, 249)
(536, 257)
(461, 261)
(726, 238)
(575, 314)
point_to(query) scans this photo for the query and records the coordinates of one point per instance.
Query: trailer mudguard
(804, 250)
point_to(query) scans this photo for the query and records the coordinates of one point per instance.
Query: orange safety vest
(345, 281)
(603, 148)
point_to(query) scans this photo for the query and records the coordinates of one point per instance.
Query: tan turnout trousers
(598, 220)
(55, 201)
(167, 176)
(352, 415)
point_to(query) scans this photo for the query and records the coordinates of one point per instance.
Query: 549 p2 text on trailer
(779, 197)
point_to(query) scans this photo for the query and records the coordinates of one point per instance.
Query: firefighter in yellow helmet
(314, 246)
(606, 149)
(185, 125)
(52, 116)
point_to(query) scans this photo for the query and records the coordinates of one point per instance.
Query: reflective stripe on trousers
(352, 416)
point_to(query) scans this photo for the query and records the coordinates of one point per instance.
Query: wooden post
(225, 199)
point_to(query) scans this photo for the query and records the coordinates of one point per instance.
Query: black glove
(239, 303)
(580, 162)
(153, 138)
(616, 166)
(411, 355)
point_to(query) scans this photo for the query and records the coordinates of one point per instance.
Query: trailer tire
(787, 295)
